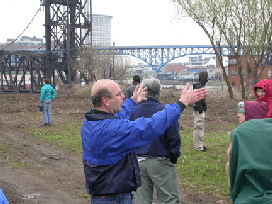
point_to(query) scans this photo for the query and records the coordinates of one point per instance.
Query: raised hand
(139, 94)
(190, 97)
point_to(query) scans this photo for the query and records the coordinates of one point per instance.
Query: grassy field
(65, 135)
(197, 171)
(205, 171)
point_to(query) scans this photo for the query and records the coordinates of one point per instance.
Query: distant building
(140, 69)
(175, 68)
(101, 30)
(248, 74)
(101, 36)
(213, 72)
(30, 40)
(23, 43)
(198, 61)
(166, 76)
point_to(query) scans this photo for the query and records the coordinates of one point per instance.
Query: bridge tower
(68, 24)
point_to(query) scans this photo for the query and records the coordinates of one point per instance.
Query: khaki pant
(198, 130)
(159, 173)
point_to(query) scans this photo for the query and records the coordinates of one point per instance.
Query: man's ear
(105, 101)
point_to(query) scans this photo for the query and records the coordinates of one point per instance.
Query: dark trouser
(121, 198)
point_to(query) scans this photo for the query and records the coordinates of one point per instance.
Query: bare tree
(93, 65)
(83, 64)
(244, 26)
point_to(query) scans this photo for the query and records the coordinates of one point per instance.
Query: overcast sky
(134, 22)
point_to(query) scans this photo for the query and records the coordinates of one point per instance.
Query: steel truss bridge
(23, 71)
(158, 56)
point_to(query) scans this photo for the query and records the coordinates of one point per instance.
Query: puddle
(31, 196)
(54, 158)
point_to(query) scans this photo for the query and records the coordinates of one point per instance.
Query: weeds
(85, 195)
(3, 148)
(65, 135)
(205, 171)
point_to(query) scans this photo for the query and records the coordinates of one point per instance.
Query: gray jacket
(129, 91)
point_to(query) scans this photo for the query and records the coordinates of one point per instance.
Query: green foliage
(244, 26)
(205, 171)
(65, 135)
(83, 92)
(18, 163)
(85, 195)
(3, 148)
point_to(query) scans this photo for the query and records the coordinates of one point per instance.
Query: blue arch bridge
(24, 70)
(158, 56)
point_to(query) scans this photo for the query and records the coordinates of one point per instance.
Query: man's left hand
(139, 94)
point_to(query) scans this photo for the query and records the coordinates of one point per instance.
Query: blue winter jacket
(47, 92)
(109, 144)
(3, 199)
(168, 144)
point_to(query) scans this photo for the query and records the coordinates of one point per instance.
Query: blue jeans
(121, 198)
(47, 111)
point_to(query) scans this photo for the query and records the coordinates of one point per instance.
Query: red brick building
(234, 78)
(176, 68)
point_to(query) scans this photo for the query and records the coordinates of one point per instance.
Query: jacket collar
(95, 115)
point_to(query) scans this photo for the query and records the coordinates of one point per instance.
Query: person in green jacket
(249, 157)
(47, 95)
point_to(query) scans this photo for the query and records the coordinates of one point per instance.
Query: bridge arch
(158, 56)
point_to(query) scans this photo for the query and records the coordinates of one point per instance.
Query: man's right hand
(190, 97)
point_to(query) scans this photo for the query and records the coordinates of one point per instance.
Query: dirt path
(34, 171)
(48, 174)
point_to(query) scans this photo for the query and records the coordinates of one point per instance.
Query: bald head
(103, 84)
(102, 88)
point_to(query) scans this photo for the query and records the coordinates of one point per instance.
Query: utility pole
(113, 60)
(47, 25)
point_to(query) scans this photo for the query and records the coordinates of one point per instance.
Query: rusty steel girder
(21, 71)
(67, 25)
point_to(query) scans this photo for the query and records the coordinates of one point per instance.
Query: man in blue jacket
(47, 95)
(157, 159)
(3, 199)
(109, 139)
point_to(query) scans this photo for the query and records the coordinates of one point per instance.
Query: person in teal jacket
(47, 95)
